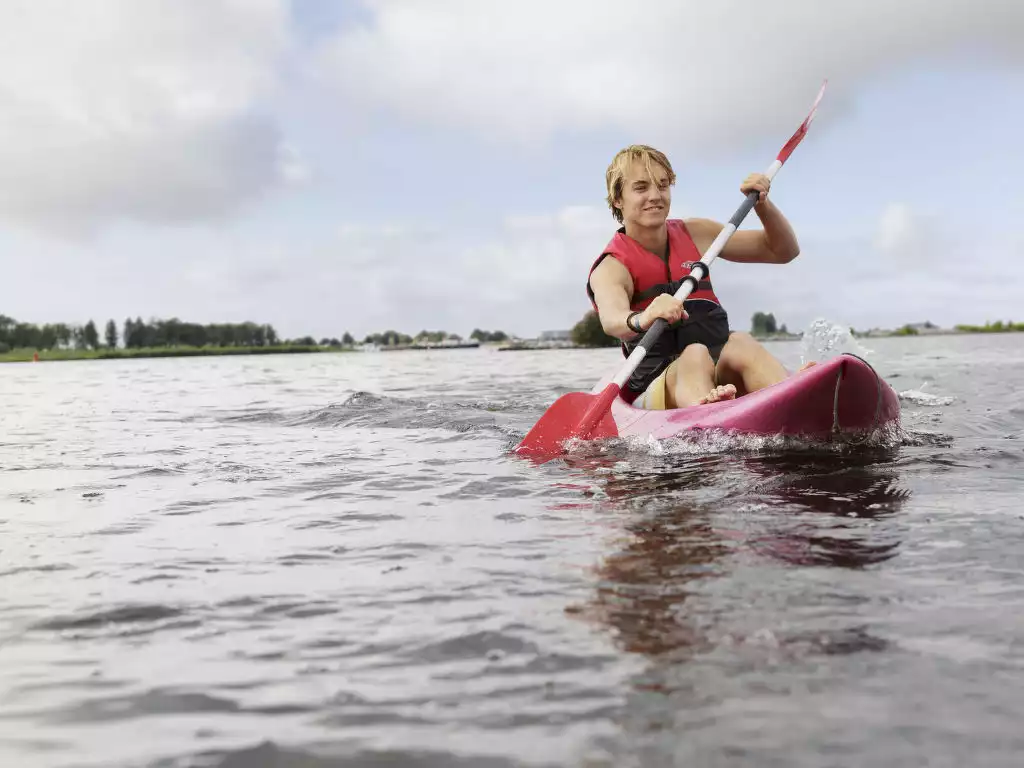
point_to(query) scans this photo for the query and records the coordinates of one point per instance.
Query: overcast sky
(332, 166)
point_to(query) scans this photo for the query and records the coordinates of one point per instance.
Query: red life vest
(652, 275)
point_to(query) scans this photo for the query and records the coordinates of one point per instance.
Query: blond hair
(616, 172)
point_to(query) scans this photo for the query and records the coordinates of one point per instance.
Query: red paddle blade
(575, 415)
(797, 137)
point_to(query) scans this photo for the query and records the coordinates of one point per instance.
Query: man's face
(645, 203)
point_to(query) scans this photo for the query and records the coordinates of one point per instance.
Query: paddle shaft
(650, 338)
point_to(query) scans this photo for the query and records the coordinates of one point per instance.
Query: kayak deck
(842, 395)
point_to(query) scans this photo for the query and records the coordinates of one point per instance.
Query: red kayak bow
(588, 416)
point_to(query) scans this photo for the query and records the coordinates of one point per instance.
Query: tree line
(391, 338)
(762, 324)
(156, 333)
(139, 334)
(989, 327)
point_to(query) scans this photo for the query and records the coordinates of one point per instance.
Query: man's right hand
(666, 306)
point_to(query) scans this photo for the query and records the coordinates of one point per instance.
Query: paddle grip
(652, 333)
(744, 209)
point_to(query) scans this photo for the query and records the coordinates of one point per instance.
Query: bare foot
(724, 392)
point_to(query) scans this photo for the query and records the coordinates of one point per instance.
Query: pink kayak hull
(805, 405)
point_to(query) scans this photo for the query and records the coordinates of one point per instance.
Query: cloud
(702, 74)
(526, 276)
(171, 112)
(897, 230)
(150, 110)
(910, 265)
(909, 238)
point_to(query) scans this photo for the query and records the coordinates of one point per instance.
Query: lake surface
(319, 560)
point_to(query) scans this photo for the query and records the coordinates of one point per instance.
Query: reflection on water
(643, 588)
(650, 592)
(724, 568)
(826, 512)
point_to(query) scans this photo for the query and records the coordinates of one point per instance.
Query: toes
(717, 394)
(723, 392)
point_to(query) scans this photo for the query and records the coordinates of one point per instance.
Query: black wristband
(629, 323)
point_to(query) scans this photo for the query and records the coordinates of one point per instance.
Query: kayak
(840, 396)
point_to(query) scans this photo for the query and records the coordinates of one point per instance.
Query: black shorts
(707, 324)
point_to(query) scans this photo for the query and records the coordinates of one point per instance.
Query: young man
(696, 359)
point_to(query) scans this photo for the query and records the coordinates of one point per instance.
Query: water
(333, 560)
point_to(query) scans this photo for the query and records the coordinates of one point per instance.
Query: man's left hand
(756, 181)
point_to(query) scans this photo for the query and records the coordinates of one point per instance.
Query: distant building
(555, 336)
(925, 327)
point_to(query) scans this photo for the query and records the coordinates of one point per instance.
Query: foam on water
(710, 442)
(920, 397)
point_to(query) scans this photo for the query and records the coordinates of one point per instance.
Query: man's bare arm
(775, 244)
(613, 288)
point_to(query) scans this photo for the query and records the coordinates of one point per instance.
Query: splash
(823, 340)
(927, 399)
(710, 442)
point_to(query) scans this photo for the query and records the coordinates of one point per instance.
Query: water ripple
(335, 560)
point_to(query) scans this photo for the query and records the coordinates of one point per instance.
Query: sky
(396, 164)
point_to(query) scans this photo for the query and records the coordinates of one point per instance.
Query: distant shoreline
(59, 355)
(535, 346)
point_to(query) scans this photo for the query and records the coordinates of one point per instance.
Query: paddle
(588, 416)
